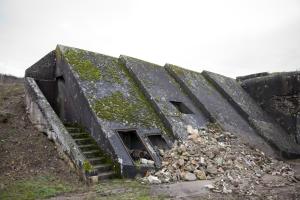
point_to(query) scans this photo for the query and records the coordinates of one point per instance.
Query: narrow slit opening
(158, 141)
(181, 107)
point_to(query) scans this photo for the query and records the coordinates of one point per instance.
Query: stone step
(73, 129)
(84, 141)
(88, 147)
(102, 167)
(79, 135)
(96, 160)
(106, 175)
(95, 154)
(91, 151)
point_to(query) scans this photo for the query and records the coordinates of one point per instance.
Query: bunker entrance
(181, 107)
(49, 90)
(53, 90)
(60, 78)
(158, 141)
(134, 145)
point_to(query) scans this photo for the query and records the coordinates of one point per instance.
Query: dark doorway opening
(134, 145)
(181, 107)
(60, 78)
(158, 141)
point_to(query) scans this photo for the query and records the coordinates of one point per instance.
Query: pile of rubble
(211, 153)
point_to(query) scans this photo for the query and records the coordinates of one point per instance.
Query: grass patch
(35, 188)
(10, 90)
(124, 189)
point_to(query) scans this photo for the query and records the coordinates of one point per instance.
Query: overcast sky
(230, 37)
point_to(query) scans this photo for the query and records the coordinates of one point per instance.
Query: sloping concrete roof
(106, 94)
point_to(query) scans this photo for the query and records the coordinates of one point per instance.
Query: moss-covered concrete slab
(133, 109)
(162, 90)
(113, 99)
(207, 97)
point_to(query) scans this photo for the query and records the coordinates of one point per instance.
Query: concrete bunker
(115, 111)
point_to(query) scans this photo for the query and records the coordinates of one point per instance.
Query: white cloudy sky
(230, 37)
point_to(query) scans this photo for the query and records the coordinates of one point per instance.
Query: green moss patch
(150, 117)
(133, 110)
(112, 72)
(114, 107)
(84, 67)
(118, 108)
(87, 166)
(36, 188)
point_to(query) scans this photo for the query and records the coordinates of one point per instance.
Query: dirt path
(182, 190)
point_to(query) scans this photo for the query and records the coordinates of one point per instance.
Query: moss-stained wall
(84, 67)
(110, 90)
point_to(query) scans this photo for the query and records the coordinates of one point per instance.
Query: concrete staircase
(88, 146)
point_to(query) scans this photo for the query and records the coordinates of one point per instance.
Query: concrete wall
(278, 95)
(211, 98)
(45, 120)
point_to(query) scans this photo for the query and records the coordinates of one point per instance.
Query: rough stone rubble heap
(211, 153)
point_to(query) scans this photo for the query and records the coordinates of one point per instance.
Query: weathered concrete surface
(207, 97)
(278, 95)
(113, 85)
(102, 100)
(161, 88)
(74, 105)
(44, 118)
(107, 96)
(44, 69)
(250, 76)
(260, 120)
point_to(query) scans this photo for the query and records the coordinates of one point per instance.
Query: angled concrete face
(264, 124)
(211, 101)
(167, 96)
(129, 106)
(102, 98)
(113, 102)
(44, 69)
(278, 95)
